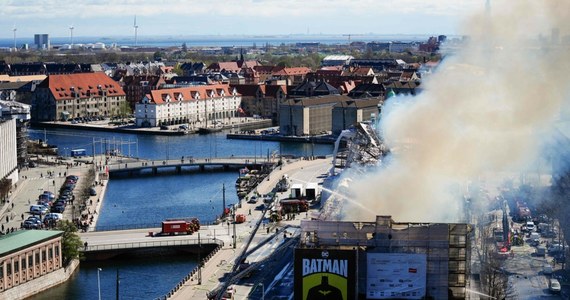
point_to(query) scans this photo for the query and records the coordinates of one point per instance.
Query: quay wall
(280, 138)
(40, 284)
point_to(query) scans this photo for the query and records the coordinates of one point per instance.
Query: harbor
(125, 204)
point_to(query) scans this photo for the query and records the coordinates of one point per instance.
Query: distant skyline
(105, 18)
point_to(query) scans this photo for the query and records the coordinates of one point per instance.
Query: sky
(232, 17)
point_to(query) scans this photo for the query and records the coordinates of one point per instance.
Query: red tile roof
(82, 85)
(188, 93)
(292, 71)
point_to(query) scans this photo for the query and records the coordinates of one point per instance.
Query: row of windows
(23, 263)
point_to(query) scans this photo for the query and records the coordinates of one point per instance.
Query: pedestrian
(22, 216)
(85, 244)
(250, 211)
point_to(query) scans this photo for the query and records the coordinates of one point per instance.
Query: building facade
(431, 258)
(64, 97)
(348, 113)
(41, 41)
(8, 151)
(188, 105)
(27, 255)
(308, 116)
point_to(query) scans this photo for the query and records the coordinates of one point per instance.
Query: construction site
(398, 259)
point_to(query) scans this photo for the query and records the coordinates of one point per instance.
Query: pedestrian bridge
(132, 167)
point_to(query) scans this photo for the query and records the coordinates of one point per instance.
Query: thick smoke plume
(485, 110)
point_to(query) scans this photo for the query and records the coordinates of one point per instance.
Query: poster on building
(396, 275)
(325, 274)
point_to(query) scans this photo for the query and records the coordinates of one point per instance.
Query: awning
(65, 113)
(92, 110)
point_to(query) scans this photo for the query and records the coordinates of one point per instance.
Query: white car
(530, 226)
(554, 286)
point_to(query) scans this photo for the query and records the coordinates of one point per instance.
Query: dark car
(58, 208)
(92, 192)
(163, 127)
(72, 177)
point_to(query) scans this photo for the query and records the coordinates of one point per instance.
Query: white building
(8, 156)
(187, 105)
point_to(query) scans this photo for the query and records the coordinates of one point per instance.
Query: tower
(14, 30)
(71, 35)
(136, 27)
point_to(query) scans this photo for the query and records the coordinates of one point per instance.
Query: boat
(206, 130)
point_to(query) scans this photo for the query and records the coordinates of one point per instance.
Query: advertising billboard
(396, 275)
(325, 274)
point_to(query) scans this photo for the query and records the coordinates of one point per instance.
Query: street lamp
(99, 282)
(262, 290)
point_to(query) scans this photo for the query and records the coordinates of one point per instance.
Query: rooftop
(24, 238)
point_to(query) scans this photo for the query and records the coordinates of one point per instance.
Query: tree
(5, 186)
(70, 242)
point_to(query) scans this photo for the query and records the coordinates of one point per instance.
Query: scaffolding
(446, 246)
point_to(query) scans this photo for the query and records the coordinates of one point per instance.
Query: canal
(149, 200)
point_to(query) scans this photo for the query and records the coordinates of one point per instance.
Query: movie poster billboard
(396, 275)
(325, 274)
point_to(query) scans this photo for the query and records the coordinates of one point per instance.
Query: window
(56, 250)
(23, 263)
(8, 269)
(44, 255)
(2, 270)
(50, 253)
(16, 266)
(30, 260)
(37, 258)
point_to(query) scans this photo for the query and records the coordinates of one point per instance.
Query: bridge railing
(163, 243)
(141, 226)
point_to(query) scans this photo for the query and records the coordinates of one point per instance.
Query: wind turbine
(14, 30)
(71, 33)
(136, 29)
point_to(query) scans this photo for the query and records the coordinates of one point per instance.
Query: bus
(78, 152)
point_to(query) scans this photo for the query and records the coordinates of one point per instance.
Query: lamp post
(99, 282)
(262, 290)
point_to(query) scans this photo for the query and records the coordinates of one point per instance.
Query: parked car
(92, 192)
(252, 200)
(58, 208)
(554, 286)
(72, 177)
(530, 226)
(547, 269)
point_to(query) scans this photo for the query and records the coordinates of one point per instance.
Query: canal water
(133, 202)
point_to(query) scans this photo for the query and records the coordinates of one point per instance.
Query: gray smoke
(485, 111)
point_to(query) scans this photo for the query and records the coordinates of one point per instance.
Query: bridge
(137, 166)
(108, 244)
